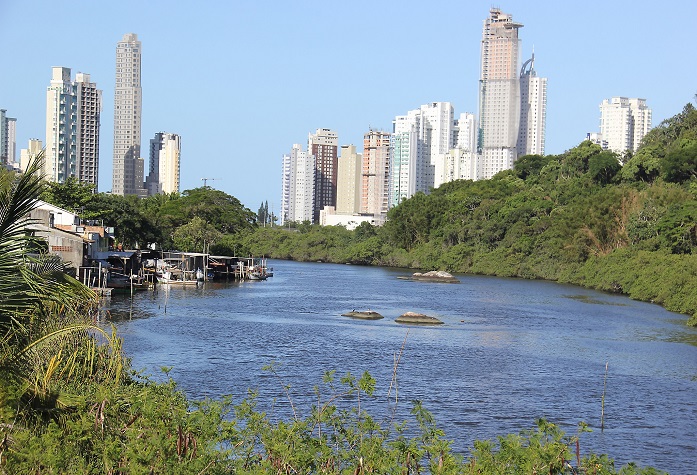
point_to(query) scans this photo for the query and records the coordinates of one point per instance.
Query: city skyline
(235, 89)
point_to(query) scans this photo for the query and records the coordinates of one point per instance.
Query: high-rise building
(8, 139)
(623, 123)
(375, 174)
(414, 158)
(165, 151)
(298, 186)
(499, 93)
(73, 111)
(323, 145)
(128, 172)
(89, 109)
(460, 162)
(533, 111)
(348, 186)
(60, 161)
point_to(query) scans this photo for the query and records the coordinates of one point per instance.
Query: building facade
(128, 169)
(89, 110)
(165, 153)
(533, 111)
(27, 154)
(73, 110)
(323, 146)
(375, 174)
(298, 186)
(499, 93)
(8, 139)
(348, 187)
(623, 123)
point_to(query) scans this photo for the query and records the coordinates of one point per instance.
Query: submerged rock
(417, 319)
(364, 315)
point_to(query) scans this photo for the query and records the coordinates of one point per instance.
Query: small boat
(257, 275)
(173, 279)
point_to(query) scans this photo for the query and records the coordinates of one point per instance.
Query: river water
(510, 351)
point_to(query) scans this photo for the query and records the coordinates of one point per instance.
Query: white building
(533, 111)
(461, 161)
(419, 140)
(73, 110)
(623, 123)
(499, 93)
(297, 196)
(128, 170)
(348, 186)
(60, 161)
(165, 152)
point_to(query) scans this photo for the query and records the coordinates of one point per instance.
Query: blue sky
(242, 81)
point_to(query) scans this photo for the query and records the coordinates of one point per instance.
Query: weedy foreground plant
(70, 403)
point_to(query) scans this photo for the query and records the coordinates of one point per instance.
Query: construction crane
(206, 180)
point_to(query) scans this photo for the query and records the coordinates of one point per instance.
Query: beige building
(348, 189)
(499, 93)
(375, 174)
(128, 170)
(27, 154)
(623, 123)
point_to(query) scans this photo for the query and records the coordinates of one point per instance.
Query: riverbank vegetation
(70, 403)
(586, 217)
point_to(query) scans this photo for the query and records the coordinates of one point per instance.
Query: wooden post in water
(602, 400)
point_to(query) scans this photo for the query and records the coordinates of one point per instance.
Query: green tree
(196, 236)
(71, 195)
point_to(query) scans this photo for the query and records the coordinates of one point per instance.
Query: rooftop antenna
(205, 181)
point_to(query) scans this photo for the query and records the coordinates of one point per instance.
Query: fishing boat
(170, 278)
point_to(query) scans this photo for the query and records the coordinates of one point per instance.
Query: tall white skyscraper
(533, 111)
(460, 162)
(165, 152)
(128, 172)
(73, 111)
(623, 123)
(298, 186)
(499, 93)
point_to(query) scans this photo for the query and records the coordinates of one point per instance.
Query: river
(510, 351)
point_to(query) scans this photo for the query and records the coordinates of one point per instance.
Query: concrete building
(623, 123)
(403, 160)
(375, 174)
(128, 170)
(533, 111)
(323, 146)
(165, 152)
(298, 186)
(60, 160)
(89, 110)
(27, 154)
(348, 187)
(430, 129)
(499, 93)
(73, 110)
(460, 162)
(8, 139)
